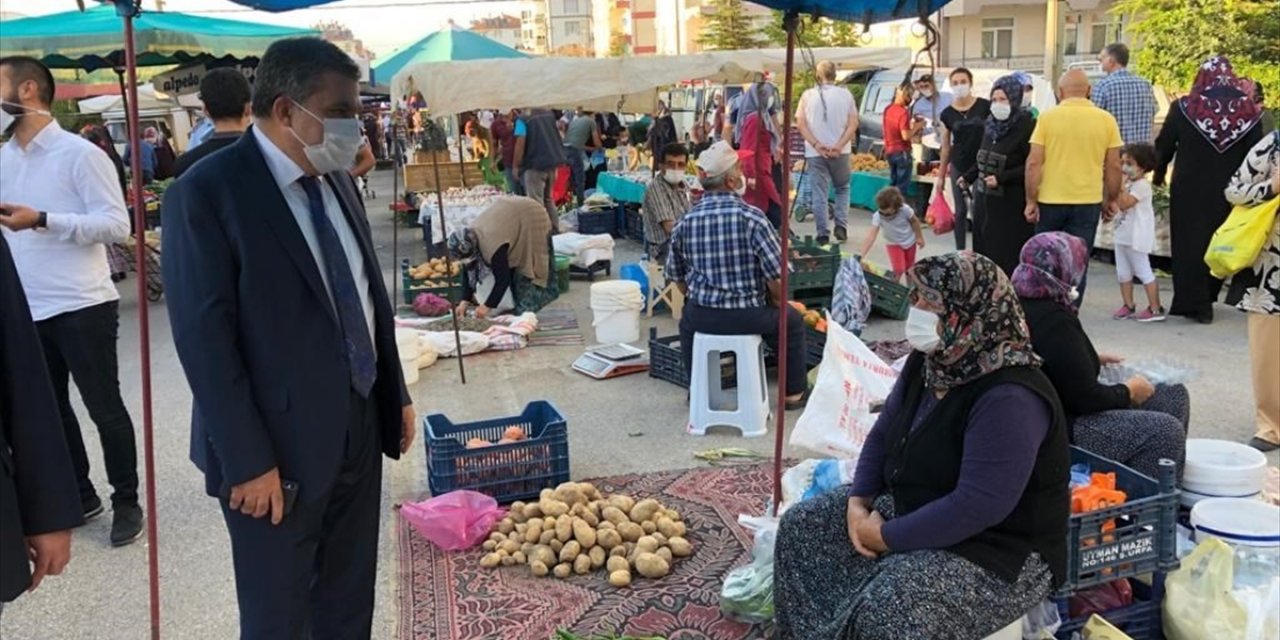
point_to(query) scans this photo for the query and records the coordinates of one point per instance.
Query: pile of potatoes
(436, 272)
(573, 529)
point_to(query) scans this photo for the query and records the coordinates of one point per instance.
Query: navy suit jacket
(256, 332)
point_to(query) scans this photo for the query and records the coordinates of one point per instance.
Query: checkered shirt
(725, 251)
(1129, 98)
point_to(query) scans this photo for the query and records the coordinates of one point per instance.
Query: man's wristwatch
(43, 221)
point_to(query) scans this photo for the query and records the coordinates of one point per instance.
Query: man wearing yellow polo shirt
(1073, 173)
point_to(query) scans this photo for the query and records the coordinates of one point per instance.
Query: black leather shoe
(823, 239)
(842, 234)
(1263, 445)
(126, 526)
(92, 508)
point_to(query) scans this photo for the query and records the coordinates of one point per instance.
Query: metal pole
(394, 152)
(128, 11)
(1051, 41)
(448, 261)
(789, 23)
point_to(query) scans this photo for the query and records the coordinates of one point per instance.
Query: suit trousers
(313, 575)
(80, 345)
(537, 185)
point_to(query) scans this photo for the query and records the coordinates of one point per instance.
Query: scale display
(611, 361)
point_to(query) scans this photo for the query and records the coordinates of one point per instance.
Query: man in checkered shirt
(1127, 97)
(727, 259)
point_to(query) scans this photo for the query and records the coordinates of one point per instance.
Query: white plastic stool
(660, 291)
(708, 403)
(1011, 632)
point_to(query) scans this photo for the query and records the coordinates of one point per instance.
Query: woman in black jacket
(1000, 228)
(1134, 423)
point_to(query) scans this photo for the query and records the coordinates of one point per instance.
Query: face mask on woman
(1001, 110)
(961, 90)
(922, 330)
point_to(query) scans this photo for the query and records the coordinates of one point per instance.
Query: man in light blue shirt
(928, 107)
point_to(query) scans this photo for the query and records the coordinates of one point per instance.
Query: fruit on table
(866, 162)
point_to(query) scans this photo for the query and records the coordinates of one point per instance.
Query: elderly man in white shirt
(60, 205)
(827, 117)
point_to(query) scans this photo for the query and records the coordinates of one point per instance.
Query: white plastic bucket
(615, 307)
(1222, 469)
(1237, 521)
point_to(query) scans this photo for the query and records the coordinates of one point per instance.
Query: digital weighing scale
(611, 361)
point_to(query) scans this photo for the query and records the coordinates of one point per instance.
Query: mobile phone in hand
(290, 490)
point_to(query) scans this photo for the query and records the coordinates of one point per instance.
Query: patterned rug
(448, 596)
(557, 327)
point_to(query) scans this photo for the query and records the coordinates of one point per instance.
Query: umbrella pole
(448, 261)
(395, 211)
(789, 23)
(462, 167)
(127, 11)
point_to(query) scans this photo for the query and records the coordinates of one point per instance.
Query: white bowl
(1190, 498)
(1221, 468)
(1237, 521)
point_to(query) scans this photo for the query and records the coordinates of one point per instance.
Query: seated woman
(956, 522)
(1132, 423)
(511, 240)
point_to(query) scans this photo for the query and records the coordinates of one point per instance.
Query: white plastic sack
(850, 380)
(443, 342)
(747, 593)
(583, 250)
(485, 287)
(1202, 600)
(812, 478)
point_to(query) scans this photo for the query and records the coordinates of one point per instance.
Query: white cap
(717, 160)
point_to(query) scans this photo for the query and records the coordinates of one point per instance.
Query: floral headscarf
(1052, 266)
(1012, 88)
(1221, 104)
(464, 245)
(983, 328)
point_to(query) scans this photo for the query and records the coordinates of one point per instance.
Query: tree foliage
(823, 32)
(729, 27)
(619, 44)
(1172, 38)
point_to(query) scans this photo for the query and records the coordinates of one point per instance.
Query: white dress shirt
(64, 267)
(287, 173)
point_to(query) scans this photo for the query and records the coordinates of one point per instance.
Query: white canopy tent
(148, 99)
(605, 84)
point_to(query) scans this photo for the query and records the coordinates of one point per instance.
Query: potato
(644, 510)
(582, 564)
(532, 510)
(489, 545)
(614, 515)
(620, 578)
(590, 490)
(543, 554)
(555, 545)
(490, 560)
(527, 547)
(619, 551)
(622, 503)
(665, 554)
(570, 550)
(546, 537)
(518, 505)
(563, 570)
(539, 569)
(519, 528)
(673, 514)
(630, 531)
(597, 555)
(546, 494)
(667, 526)
(617, 564)
(679, 547)
(584, 534)
(647, 544)
(517, 515)
(569, 494)
(498, 538)
(649, 526)
(606, 525)
(662, 540)
(608, 538)
(564, 528)
(501, 552)
(554, 508)
(584, 513)
(534, 532)
(506, 525)
(650, 565)
(514, 537)
(510, 546)
(508, 561)
(548, 522)
(680, 530)
(520, 557)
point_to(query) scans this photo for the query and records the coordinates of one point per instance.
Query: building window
(1070, 40)
(573, 28)
(571, 7)
(1104, 33)
(997, 38)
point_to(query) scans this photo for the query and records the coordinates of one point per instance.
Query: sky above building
(383, 25)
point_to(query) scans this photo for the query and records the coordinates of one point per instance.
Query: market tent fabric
(148, 99)
(94, 39)
(446, 45)
(606, 84)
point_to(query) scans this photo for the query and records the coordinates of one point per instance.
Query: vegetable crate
(413, 286)
(665, 362)
(888, 297)
(815, 342)
(1127, 540)
(597, 222)
(590, 272)
(508, 472)
(634, 223)
(816, 298)
(814, 266)
(1140, 620)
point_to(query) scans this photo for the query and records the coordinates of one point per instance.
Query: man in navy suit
(284, 329)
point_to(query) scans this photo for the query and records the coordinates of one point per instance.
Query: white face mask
(1131, 171)
(673, 176)
(1001, 110)
(961, 90)
(337, 150)
(7, 119)
(922, 330)
(926, 93)
(742, 187)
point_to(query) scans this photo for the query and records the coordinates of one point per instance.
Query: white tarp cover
(602, 83)
(148, 100)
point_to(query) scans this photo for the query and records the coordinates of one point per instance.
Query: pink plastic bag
(940, 215)
(455, 520)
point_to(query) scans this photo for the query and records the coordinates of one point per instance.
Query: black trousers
(762, 321)
(313, 575)
(81, 345)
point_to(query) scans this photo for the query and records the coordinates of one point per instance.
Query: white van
(175, 124)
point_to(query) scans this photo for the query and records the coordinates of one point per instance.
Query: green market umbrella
(443, 46)
(94, 39)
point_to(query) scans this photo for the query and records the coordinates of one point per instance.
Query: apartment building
(533, 27)
(502, 28)
(1012, 34)
(569, 29)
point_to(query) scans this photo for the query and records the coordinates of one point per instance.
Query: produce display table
(621, 188)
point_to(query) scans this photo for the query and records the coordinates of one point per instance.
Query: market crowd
(284, 328)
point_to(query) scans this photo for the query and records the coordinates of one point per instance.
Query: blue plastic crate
(597, 222)
(1140, 620)
(508, 472)
(1143, 538)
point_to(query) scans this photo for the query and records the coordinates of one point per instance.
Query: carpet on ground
(448, 596)
(557, 327)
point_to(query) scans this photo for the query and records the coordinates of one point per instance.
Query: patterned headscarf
(983, 328)
(1221, 104)
(1012, 88)
(463, 244)
(1052, 266)
(762, 98)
